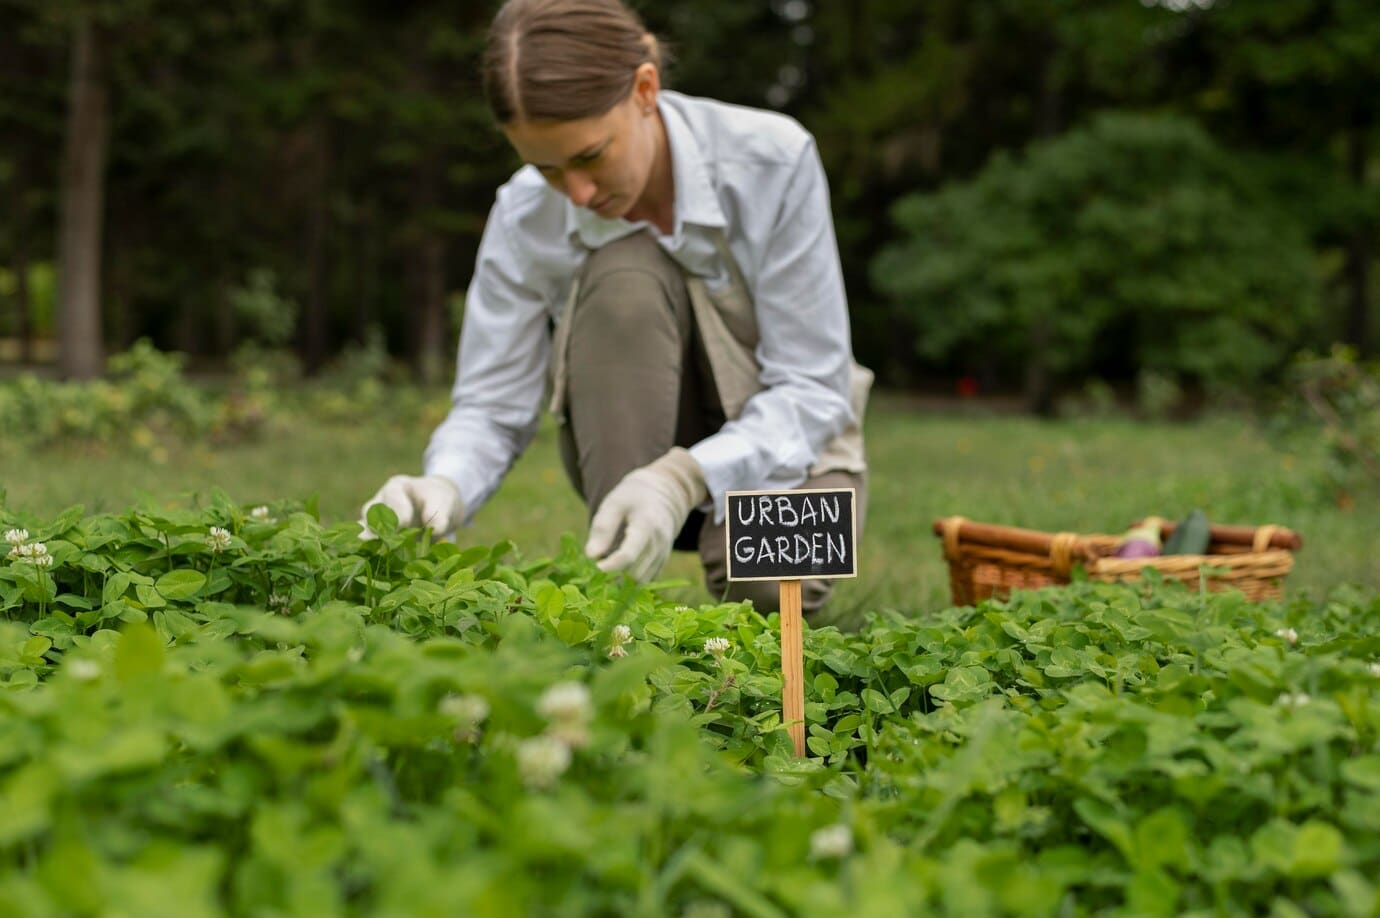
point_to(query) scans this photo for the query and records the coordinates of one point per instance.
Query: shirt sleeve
(804, 351)
(505, 344)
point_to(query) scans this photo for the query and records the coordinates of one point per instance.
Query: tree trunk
(23, 309)
(431, 332)
(225, 326)
(428, 273)
(80, 353)
(1360, 247)
(427, 255)
(314, 318)
(1039, 388)
(367, 280)
(1039, 381)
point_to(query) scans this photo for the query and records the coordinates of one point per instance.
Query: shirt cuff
(730, 463)
(472, 492)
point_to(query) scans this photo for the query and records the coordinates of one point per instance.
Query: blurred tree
(30, 120)
(904, 95)
(80, 347)
(342, 147)
(1135, 229)
(1304, 76)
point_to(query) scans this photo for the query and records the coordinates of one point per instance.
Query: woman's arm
(500, 370)
(804, 350)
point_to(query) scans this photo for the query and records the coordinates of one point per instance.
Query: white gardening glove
(426, 500)
(650, 505)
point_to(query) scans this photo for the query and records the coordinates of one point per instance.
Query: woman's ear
(646, 85)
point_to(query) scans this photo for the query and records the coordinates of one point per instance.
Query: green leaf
(139, 653)
(115, 587)
(550, 602)
(572, 631)
(382, 521)
(1363, 771)
(148, 596)
(180, 584)
(1162, 840)
(876, 701)
(1107, 823)
(1318, 850)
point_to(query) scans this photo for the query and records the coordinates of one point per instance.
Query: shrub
(1132, 244)
(1334, 400)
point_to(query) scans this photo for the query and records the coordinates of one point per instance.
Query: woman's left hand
(649, 505)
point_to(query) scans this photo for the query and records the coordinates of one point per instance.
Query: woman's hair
(561, 60)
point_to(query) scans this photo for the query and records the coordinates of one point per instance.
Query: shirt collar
(696, 201)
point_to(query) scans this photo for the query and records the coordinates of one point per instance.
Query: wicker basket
(986, 560)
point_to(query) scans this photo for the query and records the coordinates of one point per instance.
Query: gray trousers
(639, 383)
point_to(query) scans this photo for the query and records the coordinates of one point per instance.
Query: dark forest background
(1029, 194)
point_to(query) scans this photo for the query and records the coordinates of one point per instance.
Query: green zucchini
(1190, 537)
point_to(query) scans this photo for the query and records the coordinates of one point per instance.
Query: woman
(664, 266)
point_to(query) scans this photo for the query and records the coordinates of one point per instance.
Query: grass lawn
(1079, 475)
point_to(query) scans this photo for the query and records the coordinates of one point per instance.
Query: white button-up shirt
(754, 175)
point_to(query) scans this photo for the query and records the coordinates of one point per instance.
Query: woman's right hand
(418, 500)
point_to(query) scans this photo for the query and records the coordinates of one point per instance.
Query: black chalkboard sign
(791, 535)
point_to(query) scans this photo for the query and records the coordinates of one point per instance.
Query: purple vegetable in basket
(1141, 541)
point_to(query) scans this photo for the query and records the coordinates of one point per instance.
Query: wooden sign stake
(793, 664)
(791, 536)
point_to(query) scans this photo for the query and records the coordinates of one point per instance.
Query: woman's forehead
(555, 142)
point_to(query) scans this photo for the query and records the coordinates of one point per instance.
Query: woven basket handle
(1061, 553)
(1062, 549)
(1259, 538)
(1264, 536)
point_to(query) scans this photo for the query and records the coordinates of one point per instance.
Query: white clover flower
(1289, 634)
(541, 760)
(834, 841)
(1375, 670)
(35, 553)
(260, 515)
(218, 539)
(17, 536)
(572, 733)
(718, 646)
(85, 670)
(566, 702)
(469, 709)
(1293, 701)
(568, 708)
(622, 635)
(279, 601)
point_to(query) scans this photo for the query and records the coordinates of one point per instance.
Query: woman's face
(601, 163)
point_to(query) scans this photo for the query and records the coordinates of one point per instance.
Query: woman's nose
(579, 188)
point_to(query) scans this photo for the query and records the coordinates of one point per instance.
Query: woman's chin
(610, 209)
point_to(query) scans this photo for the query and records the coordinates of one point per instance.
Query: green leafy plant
(1336, 399)
(235, 708)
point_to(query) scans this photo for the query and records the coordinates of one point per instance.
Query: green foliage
(147, 403)
(1335, 399)
(42, 297)
(1131, 244)
(268, 316)
(240, 709)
